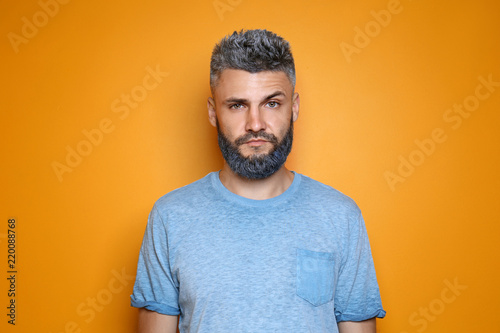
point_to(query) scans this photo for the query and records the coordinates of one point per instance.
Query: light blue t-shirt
(298, 262)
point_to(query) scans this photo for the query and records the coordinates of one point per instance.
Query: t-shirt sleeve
(155, 287)
(357, 295)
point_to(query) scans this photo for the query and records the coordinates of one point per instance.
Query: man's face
(254, 114)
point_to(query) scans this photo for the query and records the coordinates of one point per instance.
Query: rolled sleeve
(155, 287)
(357, 295)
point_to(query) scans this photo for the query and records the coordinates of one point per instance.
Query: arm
(154, 322)
(365, 326)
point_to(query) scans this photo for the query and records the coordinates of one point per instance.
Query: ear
(212, 116)
(295, 106)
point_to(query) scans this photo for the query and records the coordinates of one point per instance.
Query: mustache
(256, 135)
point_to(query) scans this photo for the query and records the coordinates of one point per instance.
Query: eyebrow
(244, 100)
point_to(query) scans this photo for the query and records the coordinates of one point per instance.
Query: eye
(273, 104)
(236, 106)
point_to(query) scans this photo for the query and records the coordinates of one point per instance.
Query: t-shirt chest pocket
(315, 276)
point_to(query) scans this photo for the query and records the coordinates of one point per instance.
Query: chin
(255, 156)
(255, 152)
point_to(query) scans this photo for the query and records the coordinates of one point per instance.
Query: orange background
(361, 114)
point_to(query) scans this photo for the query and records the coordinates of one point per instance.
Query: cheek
(228, 132)
(281, 126)
(232, 128)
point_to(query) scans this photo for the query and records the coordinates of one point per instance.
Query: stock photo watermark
(48, 9)
(421, 318)
(364, 36)
(11, 270)
(88, 309)
(223, 6)
(94, 137)
(454, 117)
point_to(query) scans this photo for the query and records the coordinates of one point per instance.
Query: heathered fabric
(298, 262)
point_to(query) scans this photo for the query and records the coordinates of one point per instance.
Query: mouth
(256, 142)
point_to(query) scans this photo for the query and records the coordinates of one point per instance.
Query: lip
(256, 142)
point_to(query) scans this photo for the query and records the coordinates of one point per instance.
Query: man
(255, 247)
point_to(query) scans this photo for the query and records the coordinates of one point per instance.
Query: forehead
(240, 83)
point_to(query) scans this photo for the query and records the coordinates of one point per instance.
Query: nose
(255, 121)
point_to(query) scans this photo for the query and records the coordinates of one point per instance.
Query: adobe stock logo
(222, 6)
(48, 9)
(373, 28)
(89, 309)
(427, 314)
(455, 116)
(122, 107)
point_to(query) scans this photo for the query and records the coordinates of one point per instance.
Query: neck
(259, 189)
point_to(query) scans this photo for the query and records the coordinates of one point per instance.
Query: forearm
(154, 322)
(366, 326)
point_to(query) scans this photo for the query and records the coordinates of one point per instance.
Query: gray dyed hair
(252, 51)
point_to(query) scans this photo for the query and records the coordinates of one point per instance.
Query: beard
(258, 166)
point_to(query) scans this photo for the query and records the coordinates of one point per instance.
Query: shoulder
(187, 195)
(325, 195)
